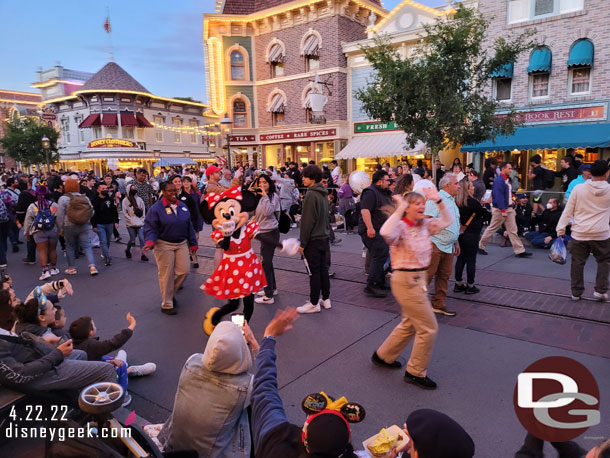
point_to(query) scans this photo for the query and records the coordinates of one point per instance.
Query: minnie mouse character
(240, 273)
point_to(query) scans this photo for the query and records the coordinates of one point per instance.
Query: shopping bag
(558, 252)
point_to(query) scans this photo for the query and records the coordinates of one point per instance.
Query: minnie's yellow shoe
(208, 327)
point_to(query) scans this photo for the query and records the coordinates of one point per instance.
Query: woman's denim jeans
(133, 232)
(78, 236)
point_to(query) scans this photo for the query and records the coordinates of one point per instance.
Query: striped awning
(93, 120)
(110, 120)
(275, 53)
(379, 145)
(128, 119)
(311, 47)
(142, 121)
(277, 104)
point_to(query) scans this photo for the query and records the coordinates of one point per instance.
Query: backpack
(549, 178)
(4, 217)
(79, 210)
(44, 220)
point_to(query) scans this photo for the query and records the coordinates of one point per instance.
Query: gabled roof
(112, 77)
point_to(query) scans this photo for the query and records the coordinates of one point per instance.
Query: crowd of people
(416, 226)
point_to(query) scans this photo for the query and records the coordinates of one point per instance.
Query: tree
(438, 95)
(23, 141)
(187, 99)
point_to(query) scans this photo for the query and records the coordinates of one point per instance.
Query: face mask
(133, 192)
(105, 193)
(549, 206)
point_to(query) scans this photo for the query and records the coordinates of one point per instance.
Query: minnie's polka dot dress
(240, 273)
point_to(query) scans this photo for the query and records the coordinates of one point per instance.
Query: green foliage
(438, 95)
(187, 99)
(23, 141)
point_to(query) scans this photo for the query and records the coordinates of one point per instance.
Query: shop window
(158, 121)
(539, 85)
(238, 70)
(177, 135)
(502, 88)
(65, 130)
(97, 132)
(240, 113)
(275, 58)
(310, 50)
(278, 119)
(525, 10)
(312, 63)
(277, 69)
(580, 80)
(194, 124)
(128, 132)
(81, 135)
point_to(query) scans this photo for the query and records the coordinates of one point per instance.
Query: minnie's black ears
(317, 402)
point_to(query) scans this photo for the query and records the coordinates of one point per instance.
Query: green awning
(551, 137)
(505, 71)
(581, 54)
(540, 61)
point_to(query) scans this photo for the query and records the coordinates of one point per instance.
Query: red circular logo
(557, 399)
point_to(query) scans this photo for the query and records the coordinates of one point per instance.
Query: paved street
(478, 354)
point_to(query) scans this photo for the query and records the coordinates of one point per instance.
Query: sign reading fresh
(111, 143)
(362, 127)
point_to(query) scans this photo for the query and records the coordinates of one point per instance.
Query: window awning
(110, 120)
(170, 161)
(93, 120)
(506, 71)
(379, 145)
(551, 137)
(311, 47)
(581, 54)
(275, 53)
(128, 119)
(277, 104)
(540, 61)
(142, 121)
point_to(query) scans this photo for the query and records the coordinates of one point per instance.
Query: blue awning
(541, 137)
(505, 71)
(169, 161)
(540, 61)
(581, 54)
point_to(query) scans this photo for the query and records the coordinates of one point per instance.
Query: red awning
(93, 120)
(110, 120)
(142, 121)
(128, 119)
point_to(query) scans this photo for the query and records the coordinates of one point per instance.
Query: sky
(158, 42)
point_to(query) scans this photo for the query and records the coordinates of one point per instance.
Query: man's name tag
(169, 211)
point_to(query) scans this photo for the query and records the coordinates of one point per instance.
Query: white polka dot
(216, 278)
(236, 290)
(226, 291)
(241, 280)
(209, 280)
(235, 272)
(248, 255)
(255, 271)
(227, 267)
(232, 259)
(257, 282)
(240, 263)
(229, 281)
(249, 274)
(216, 288)
(246, 285)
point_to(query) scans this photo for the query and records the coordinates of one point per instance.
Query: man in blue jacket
(168, 230)
(503, 212)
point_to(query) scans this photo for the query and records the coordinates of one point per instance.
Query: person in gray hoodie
(315, 244)
(214, 390)
(589, 208)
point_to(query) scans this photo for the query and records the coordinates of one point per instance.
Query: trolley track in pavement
(533, 295)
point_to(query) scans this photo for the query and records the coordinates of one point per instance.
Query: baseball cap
(436, 435)
(522, 196)
(211, 169)
(584, 167)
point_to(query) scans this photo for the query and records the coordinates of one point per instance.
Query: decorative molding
(244, 52)
(275, 91)
(245, 98)
(299, 76)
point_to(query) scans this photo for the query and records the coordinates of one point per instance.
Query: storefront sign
(374, 126)
(111, 143)
(562, 115)
(242, 138)
(299, 135)
(49, 116)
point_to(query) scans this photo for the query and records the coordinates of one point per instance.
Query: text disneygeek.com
(15, 431)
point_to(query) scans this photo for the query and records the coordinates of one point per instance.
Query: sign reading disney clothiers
(111, 143)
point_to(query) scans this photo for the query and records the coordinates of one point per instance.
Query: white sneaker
(122, 355)
(308, 307)
(293, 225)
(575, 298)
(264, 300)
(45, 274)
(140, 371)
(126, 400)
(325, 303)
(54, 271)
(261, 293)
(601, 297)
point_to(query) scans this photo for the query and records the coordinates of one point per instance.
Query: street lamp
(45, 146)
(226, 121)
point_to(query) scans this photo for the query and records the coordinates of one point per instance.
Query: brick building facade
(562, 87)
(263, 58)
